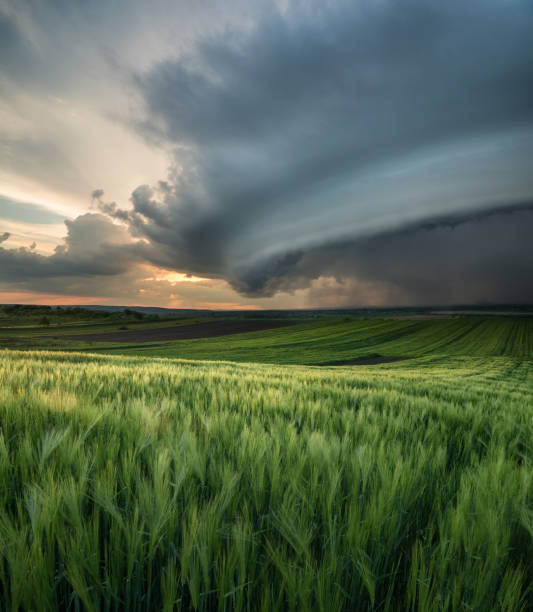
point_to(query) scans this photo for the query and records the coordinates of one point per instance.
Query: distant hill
(91, 311)
(484, 309)
(40, 314)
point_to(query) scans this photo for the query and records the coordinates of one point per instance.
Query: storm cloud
(93, 246)
(386, 143)
(477, 257)
(325, 127)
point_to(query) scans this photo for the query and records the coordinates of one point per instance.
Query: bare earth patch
(182, 332)
(371, 361)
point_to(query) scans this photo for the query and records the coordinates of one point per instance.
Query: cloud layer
(386, 145)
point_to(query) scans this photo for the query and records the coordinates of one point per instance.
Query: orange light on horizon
(175, 277)
(48, 299)
(226, 306)
(54, 299)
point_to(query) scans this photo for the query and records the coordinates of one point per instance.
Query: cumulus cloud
(94, 246)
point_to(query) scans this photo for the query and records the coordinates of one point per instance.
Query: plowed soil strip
(371, 361)
(182, 332)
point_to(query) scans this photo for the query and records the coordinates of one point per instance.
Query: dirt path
(182, 332)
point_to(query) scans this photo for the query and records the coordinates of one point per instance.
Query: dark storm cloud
(411, 70)
(320, 128)
(483, 256)
(351, 140)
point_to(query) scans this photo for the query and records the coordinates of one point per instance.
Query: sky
(268, 154)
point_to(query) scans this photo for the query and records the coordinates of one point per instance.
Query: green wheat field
(146, 480)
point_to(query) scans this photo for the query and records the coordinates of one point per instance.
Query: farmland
(337, 341)
(139, 480)
(322, 342)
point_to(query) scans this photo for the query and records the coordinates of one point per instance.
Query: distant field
(202, 329)
(320, 342)
(135, 482)
(339, 341)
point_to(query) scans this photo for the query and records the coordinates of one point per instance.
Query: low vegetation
(27, 314)
(143, 484)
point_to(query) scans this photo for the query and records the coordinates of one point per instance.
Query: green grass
(337, 341)
(131, 483)
(329, 341)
